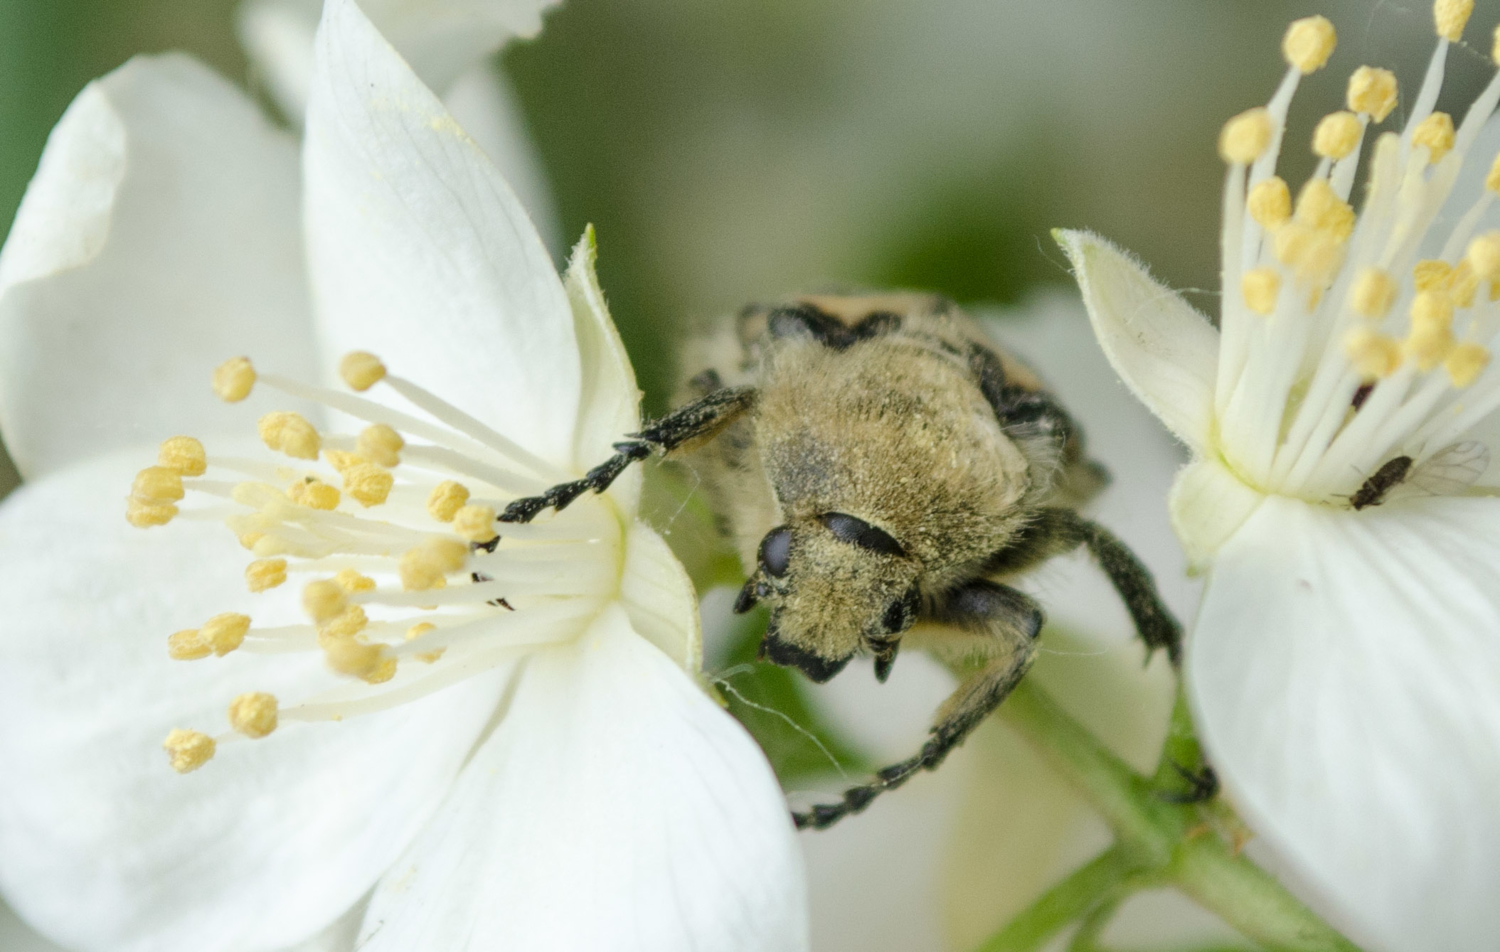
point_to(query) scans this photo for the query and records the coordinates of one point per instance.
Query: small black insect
(1389, 475)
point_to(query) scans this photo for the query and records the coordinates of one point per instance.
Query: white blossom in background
(542, 773)
(450, 44)
(1345, 662)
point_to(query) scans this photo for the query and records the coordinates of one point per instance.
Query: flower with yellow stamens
(552, 718)
(1345, 664)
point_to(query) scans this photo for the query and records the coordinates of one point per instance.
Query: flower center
(410, 587)
(1349, 340)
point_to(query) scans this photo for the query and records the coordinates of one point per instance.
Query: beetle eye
(856, 531)
(776, 550)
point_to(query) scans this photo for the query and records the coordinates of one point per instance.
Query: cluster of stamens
(410, 585)
(1348, 338)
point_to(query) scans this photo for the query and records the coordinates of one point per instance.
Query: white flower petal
(92, 818)
(278, 38)
(1208, 505)
(482, 101)
(158, 237)
(1346, 674)
(615, 807)
(420, 251)
(17, 936)
(610, 405)
(660, 599)
(442, 39)
(1165, 351)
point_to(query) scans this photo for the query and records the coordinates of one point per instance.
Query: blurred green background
(749, 148)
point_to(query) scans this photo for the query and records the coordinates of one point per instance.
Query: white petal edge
(659, 597)
(102, 846)
(483, 102)
(610, 405)
(159, 237)
(1345, 672)
(615, 807)
(420, 251)
(1165, 351)
(442, 39)
(278, 37)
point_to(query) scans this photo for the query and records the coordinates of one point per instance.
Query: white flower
(1345, 665)
(570, 787)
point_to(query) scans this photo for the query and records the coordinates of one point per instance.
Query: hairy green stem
(1157, 840)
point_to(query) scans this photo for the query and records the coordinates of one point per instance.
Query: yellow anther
(1465, 363)
(1428, 345)
(1495, 48)
(381, 444)
(324, 600)
(1431, 274)
(360, 370)
(1319, 206)
(371, 663)
(144, 515)
(1337, 134)
(1436, 133)
(425, 566)
(351, 581)
(253, 714)
(1270, 203)
(341, 460)
(1374, 355)
(224, 633)
(248, 540)
(1260, 287)
(1373, 293)
(367, 484)
(1462, 284)
(1431, 310)
(1308, 43)
(263, 574)
(475, 523)
(187, 645)
(419, 629)
(1483, 255)
(183, 455)
(1372, 91)
(289, 433)
(157, 484)
(188, 750)
(1245, 136)
(233, 379)
(351, 622)
(1450, 16)
(446, 499)
(1313, 253)
(315, 494)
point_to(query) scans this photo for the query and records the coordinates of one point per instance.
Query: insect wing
(1449, 471)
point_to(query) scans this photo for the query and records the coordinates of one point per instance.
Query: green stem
(1097, 882)
(1156, 840)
